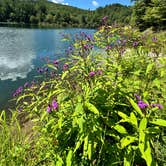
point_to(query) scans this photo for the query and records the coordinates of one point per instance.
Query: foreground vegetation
(106, 106)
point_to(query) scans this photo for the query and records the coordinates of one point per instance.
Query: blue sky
(91, 4)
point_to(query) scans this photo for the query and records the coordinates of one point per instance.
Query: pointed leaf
(159, 122)
(92, 108)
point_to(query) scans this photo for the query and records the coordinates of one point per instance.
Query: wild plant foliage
(104, 105)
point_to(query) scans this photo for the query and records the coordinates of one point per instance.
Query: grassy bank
(106, 107)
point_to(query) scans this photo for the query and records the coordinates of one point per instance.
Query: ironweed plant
(105, 107)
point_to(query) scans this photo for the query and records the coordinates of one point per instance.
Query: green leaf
(133, 119)
(59, 162)
(65, 74)
(79, 143)
(89, 151)
(125, 141)
(128, 156)
(144, 145)
(52, 66)
(120, 129)
(149, 68)
(135, 106)
(159, 122)
(92, 108)
(123, 115)
(85, 146)
(69, 158)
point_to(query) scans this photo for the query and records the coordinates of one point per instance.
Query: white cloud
(95, 3)
(59, 1)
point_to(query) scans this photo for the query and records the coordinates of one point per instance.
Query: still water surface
(21, 51)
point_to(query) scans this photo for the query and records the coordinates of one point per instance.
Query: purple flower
(39, 70)
(92, 73)
(19, 90)
(135, 44)
(99, 72)
(26, 84)
(137, 96)
(54, 105)
(157, 105)
(142, 105)
(48, 109)
(104, 18)
(108, 48)
(14, 94)
(65, 66)
(46, 69)
(55, 62)
(154, 39)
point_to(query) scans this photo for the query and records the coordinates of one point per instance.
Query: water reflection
(16, 53)
(21, 51)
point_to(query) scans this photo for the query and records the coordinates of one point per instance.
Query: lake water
(21, 51)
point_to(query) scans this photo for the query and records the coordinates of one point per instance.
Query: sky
(91, 4)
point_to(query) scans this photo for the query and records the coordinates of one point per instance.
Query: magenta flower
(65, 66)
(137, 96)
(154, 39)
(49, 109)
(104, 18)
(92, 73)
(142, 105)
(26, 84)
(54, 105)
(135, 44)
(55, 62)
(157, 105)
(99, 72)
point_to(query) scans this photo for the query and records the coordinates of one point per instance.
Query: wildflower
(157, 105)
(99, 72)
(137, 96)
(135, 44)
(46, 69)
(142, 105)
(49, 109)
(14, 94)
(104, 19)
(19, 90)
(65, 66)
(154, 39)
(26, 84)
(54, 105)
(92, 73)
(39, 70)
(55, 62)
(108, 48)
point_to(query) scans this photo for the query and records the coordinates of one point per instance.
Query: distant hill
(46, 13)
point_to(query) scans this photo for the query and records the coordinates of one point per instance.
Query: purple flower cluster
(135, 44)
(154, 39)
(18, 91)
(65, 67)
(157, 105)
(142, 105)
(87, 46)
(93, 73)
(42, 70)
(53, 106)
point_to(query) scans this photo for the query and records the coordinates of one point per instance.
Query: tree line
(42, 12)
(143, 14)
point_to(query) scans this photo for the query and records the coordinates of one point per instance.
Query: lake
(22, 51)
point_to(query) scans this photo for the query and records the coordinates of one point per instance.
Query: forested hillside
(42, 12)
(149, 13)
